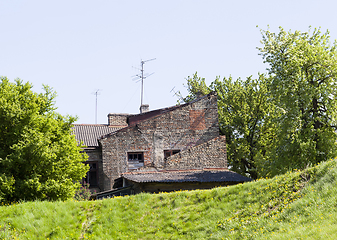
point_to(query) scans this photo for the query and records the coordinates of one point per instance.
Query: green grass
(297, 205)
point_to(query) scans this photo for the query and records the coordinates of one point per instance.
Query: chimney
(144, 108)
(118, 119)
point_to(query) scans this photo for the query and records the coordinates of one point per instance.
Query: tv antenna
(142, 76)
(177, 94)
(96, 93)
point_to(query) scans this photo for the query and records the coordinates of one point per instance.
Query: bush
(83, 193)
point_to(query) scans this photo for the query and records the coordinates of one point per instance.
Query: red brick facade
(197, 119)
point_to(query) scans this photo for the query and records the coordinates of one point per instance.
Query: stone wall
(211, 154)
(181, 128)
(115, 149)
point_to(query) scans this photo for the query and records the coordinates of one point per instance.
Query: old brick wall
(94, 154)
(211, 154)
(180, 129)
(115, 149)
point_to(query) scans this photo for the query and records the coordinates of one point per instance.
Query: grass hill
(297, 205)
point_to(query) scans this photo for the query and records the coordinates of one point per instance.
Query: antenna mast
(178, 95)
(142, 77)
(96, 93)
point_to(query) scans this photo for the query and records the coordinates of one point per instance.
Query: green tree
(245, 118)
(39, 156)
(303, 68)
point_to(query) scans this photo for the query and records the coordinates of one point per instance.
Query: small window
(135, 157)
(168, 153)
(135, 160)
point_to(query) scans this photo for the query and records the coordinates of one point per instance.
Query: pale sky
(77, 47)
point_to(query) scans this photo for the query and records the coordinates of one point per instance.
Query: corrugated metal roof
(186, 176)
(89, 133)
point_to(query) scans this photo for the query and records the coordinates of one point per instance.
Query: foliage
(303, 70)
(39, 156)
(83, 193)
(285, 119)
(245, 118)
(299, 204)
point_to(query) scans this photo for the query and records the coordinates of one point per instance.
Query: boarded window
(135, 160)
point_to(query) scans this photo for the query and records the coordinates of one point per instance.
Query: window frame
(136, 153)
(138, 162)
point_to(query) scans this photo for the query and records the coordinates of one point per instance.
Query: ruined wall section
(211, 154)
(182, 128)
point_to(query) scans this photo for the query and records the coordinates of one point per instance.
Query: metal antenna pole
(142, 79)
(96, 93)
(141, 95)
(96, 108)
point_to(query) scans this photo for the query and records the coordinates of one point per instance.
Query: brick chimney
(118, 119)
(144, 108)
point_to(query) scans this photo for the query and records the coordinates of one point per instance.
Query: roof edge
(165, 110)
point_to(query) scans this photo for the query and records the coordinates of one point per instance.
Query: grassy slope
(300, 204)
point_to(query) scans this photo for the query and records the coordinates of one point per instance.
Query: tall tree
(39, 156)
(303, 68)
(245, 119)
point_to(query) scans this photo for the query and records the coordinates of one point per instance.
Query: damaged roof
(213, 175)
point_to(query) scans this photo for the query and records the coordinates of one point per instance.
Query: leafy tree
(39, 156)
(288, 119)
(303, 68)
(245, 118)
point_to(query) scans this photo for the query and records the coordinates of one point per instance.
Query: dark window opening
(92, 175)
(136, 157)
(168, 153)
(135, 160)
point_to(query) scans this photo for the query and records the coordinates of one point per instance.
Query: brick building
(162, 150)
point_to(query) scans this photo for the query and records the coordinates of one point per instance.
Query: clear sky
(79, 46)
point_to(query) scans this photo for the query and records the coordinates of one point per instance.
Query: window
(135, 160)
(92, 176)
(168, 153)
(135, 157)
